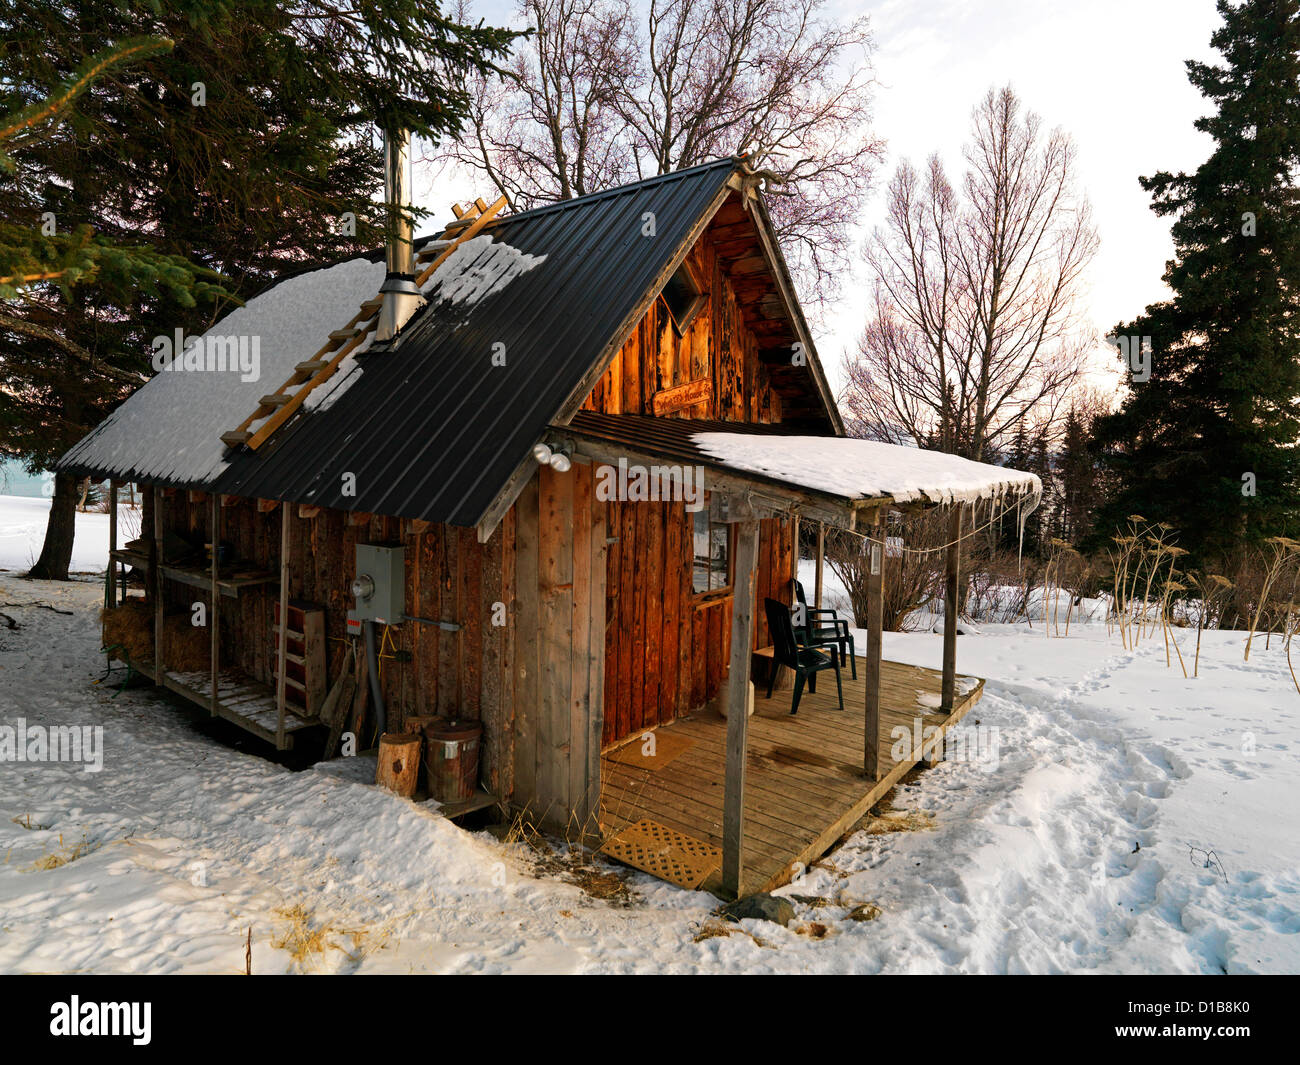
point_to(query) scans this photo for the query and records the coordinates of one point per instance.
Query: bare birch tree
(607, 91)
(974, 324)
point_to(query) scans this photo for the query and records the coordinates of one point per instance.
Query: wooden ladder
(276, 408)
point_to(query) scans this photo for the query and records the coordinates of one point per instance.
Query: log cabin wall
(560, 571)
(450, 576)
(718, 346)
(667, 649)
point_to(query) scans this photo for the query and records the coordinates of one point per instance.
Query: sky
(1109, 72)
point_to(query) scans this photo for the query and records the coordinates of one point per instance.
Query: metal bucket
(451, 753)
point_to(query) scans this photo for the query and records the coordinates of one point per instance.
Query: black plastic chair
(806, 662)
(834, 631)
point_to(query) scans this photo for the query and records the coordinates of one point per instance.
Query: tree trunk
(56, 552)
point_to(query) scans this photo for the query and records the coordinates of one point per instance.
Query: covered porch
(804, 784)
(733, 802)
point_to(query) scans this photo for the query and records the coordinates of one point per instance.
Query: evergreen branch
(40, 332)
(49, 109)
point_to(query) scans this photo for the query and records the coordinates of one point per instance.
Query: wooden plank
(596, 665)
(508, 652)
(469, 638)
(214, 618)
(613, 580)
(581, 788)
(675, 558)
(111, 594)
(871, 667)
(653, 547)
(449, 642)
(492, 555)
(821, 563)
(951, 608)
(158, 665)
(527, 612)
(282, 639)
(746, 543)
(555, 571)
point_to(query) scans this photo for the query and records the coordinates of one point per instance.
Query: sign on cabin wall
(682, 396)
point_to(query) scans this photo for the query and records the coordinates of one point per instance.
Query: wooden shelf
(230, 585)
(241, 701)
(480, 800)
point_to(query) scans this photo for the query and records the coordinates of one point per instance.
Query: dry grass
(865, 911)
(901, 821)
(64, 855)
(26, 822)
(307, 938)
(716, 928)
(570, 862)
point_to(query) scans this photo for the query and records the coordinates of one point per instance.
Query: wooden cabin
(650, 327)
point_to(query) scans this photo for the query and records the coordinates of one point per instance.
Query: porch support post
(283, 630)
(951, 608)
(213, 614)
(871, 667)
(821, 558)
(158, 665)
(111, 591)
(794, 527)
(742, 637)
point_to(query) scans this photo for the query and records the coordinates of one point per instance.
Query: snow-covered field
(1132, 821)
(22, 531)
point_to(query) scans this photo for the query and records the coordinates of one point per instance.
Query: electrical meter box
(380, 585)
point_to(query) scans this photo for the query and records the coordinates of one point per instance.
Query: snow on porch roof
(865, 469)
(839, 467)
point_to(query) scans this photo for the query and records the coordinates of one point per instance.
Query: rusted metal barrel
(451, 752)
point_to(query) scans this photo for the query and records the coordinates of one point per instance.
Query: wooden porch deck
(804, 786)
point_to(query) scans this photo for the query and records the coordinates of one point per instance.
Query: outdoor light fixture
(560, 462)
(542, 453)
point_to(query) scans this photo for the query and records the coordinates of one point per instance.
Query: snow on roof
(478, 268)
(865, 469)
(170, 430)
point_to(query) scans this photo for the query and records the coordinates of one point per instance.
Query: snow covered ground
(22, 531)
(1131, 821)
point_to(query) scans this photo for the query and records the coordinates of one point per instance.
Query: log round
(399, 762)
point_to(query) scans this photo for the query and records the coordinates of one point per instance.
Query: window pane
(700, 567)
(719, 542)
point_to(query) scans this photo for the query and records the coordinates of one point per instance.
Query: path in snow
(1031, 867)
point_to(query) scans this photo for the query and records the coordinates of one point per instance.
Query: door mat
(664, 852)
(667, 746)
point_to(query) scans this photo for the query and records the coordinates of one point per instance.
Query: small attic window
(683, 298)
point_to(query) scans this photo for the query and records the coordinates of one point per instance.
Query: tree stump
(399, 762)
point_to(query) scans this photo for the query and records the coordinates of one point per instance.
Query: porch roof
(812, 472)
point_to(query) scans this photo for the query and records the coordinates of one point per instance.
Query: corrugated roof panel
(430, 428)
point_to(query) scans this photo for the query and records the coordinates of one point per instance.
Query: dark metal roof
(430, 428)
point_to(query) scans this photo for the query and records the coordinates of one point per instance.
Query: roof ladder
(278, 407)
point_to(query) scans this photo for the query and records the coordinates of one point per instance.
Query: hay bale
(129, 626)
(187, 647)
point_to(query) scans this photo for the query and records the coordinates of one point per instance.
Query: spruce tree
(1207, 444)
(249, 149)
